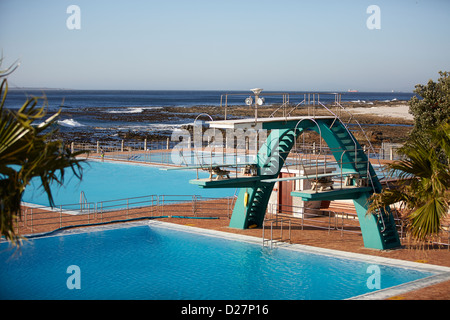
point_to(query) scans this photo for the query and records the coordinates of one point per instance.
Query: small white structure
(296, 179)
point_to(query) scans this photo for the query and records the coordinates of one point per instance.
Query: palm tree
(26, 152)
(422, 190)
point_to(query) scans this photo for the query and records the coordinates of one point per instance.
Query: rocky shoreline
(157, 123)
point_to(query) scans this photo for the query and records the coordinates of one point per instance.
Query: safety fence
(162, 151)
(40, 219)
(343, 221)
(123, 146)
(282, 220)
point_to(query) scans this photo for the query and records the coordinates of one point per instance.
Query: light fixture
(258, 101)
(249, 101)
(256, 91)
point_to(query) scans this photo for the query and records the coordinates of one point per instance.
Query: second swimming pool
(117, 180)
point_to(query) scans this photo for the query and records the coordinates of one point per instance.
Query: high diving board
(262, 123)
(206, 166)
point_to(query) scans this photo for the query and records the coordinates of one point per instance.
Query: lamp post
(258, 101)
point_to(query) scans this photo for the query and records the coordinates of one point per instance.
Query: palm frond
(426, 220)
(423, 185)
(27, 152)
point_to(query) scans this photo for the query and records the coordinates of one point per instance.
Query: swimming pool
(117, 180)
(156, 260)
(191, 158)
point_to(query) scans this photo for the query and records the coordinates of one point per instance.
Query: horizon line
(212, 90)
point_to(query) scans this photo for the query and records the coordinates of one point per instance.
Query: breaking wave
(132, 110)
(70, 123)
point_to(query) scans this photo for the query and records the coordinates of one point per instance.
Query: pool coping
(440, 273)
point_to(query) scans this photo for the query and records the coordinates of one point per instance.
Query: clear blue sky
(226, 45)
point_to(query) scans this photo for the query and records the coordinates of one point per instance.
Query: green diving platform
(378, 230)
(232, 182)
(310, 177)
(344, 193)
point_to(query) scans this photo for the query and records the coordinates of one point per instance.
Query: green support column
(240, 211)
(378, 231)
(270, 160)
(368, 223)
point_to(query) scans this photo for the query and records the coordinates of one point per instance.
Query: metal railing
(122, 145)
(37, 219)
(126, 208)
(161, 152)
(273, 239)
(315, 218)
(344, 221)
(40, 219)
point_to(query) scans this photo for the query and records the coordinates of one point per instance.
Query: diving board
(206, 166)
(311, 176)
(254, 191)
(342, 193)
(262, 123)
(232, 182)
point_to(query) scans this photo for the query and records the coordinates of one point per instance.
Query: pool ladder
(83, 201)
(280, 238)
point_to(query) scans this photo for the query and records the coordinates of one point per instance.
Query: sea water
(85, 110)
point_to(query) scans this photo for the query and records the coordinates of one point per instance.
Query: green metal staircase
(385, 234)
(258, 204)
(348, 150)
(270, 160)
(388, 229)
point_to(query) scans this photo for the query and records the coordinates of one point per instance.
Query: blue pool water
(113, 180)
(150, 262)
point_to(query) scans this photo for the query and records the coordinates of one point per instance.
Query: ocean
(101, 114)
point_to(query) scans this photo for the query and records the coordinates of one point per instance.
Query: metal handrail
(83, 200)
(284, 104)
(371, 147)
(296, 106)
(320, 141)
(368, 141)
(271, 231)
